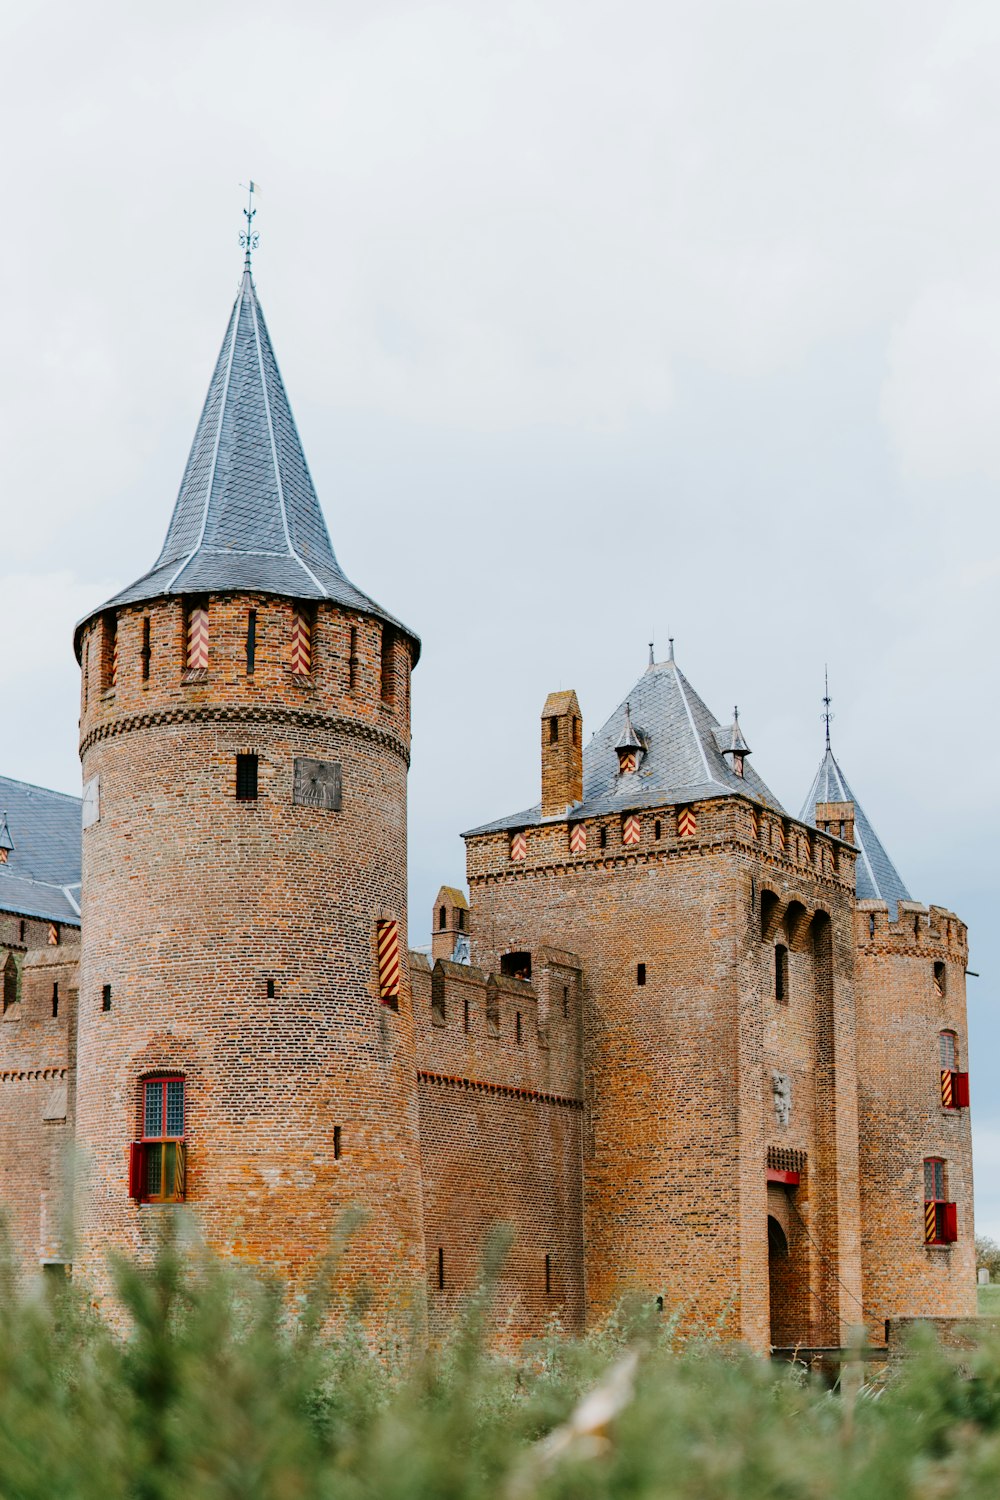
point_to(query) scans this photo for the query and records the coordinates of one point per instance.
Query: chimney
(451, 924)
(836, 818)
(562, 753)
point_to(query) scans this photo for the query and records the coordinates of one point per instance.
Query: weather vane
(249, 239)
(827, 715)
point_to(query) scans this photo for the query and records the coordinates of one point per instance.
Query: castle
(682, 1042)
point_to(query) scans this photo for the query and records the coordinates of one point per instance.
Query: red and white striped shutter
(630, 830)
(301, 644)
(197, 639)
(387, 939)
(519, 846)
(578, 839)
(687, 823)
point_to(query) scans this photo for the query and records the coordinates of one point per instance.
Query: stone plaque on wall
(317, 783)
(91, 810)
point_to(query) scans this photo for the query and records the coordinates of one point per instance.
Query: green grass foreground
(214, 1393)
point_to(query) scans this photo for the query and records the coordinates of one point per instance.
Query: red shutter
(136, 1173)
(949, 1229)
(960, 1090)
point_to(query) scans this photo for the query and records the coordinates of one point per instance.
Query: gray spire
(247, 518)
(877, 878)
(630, 741)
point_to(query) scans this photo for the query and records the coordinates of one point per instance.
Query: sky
(601, 322)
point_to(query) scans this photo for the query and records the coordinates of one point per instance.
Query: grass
(213, 1392)
(989, 1301)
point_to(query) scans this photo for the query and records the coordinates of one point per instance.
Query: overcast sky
(600, 321)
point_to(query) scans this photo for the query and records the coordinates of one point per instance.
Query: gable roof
(247, 517)
(41, 877)
(877, 878)
(682, 758)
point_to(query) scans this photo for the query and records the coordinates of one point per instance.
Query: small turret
(6, 842)
(562, 753)
(737, 750)
(630, 747)
(451, 926)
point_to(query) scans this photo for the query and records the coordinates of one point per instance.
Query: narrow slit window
(388, 665)
(602, 838)
(10, 982)
(336, 1143)
(940, 980)
(781, 972)
(270, 989)
(55, 998)
(246, 777)
(442, 919)
(565, 999)
(440, 1268)
(553, 730)
(640, 974)
(465, 1016)
(548, 1273)
(146, 651)
(251, 642)
(352, 661)
(105, 997)
(517, 1025)
(657, 829)
(109, 653)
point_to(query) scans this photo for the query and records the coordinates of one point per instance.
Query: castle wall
(501, 1136)
(679, 1098)
(195, 902)
(36, 1098)
(901, 1016)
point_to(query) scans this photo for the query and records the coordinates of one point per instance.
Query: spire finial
(249, 239)
(651, 653)
(671, 639)
(827, 715)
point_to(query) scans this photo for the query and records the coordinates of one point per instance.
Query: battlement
(515, 1033)
(658, 832)
(931, 931)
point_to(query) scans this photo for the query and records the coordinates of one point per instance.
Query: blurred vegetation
(988, 1255)
(214, 1391)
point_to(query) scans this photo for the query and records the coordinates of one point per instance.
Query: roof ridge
(35, 786)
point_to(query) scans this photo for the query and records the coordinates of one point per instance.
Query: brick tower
(915, 1139)
(245, 1037)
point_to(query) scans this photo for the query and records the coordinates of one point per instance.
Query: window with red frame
(954, 1083)
(940, 1216)
(157, 1161)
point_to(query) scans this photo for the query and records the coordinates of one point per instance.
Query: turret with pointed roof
(247, 518)
(877, 876)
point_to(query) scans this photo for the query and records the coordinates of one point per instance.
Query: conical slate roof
(683, 761)
(877, 878)
(247, 518)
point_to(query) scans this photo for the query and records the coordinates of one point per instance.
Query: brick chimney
(836, 818)
(562, 753)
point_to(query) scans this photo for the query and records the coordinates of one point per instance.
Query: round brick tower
(245, 1040)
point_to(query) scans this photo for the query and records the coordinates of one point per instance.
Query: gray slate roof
(682, 762)
(42, 875)
(877, 878)
(247, 517)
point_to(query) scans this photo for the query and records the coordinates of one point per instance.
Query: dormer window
(626, 761)
(630, 747)
(738, 763)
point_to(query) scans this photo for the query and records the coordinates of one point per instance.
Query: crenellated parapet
(918, 931)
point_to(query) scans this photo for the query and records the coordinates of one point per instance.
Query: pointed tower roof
(684, 757)
(877, 878)
(629, 739)
(737, 744)
(247, 518)
(6, 842)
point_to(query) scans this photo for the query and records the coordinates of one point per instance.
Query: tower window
(780, 972)
(461, 919)
(146, 652)
(302, 629)
(565, 999)
(440, 1268)
(517, 1027)
(954, 1084)
(940, 1216)
(352, 661)
(246, 777)
(442, 919)
(105, 997)
(109, 652)
(157, 1162)
(871, 924)
(336, 1143)
(196, 636)
(516, 965)
(576, 731)
(55, 998)
(270, 989)
(465, 1016)
(553, 730)
(10, 982)
(640, 974)
(251, 641)
(602, 838)
(548, 1273)
(657, 829)
(388, 668)
(389, 969)
(940, 980)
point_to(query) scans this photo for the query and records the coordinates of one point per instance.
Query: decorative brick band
(300, 717)
(24, 1075)
(786, 1159)
(610, 861)
(479, 1087)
